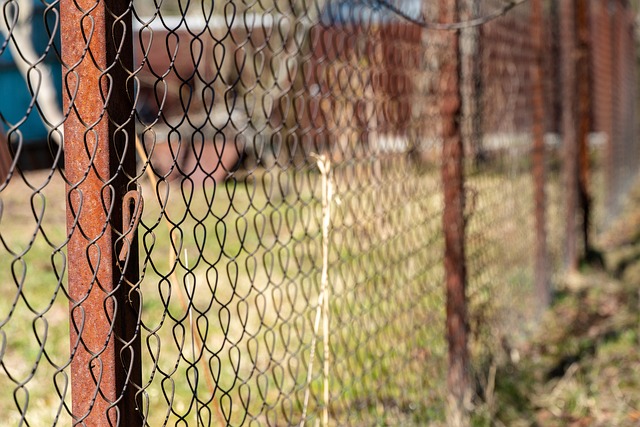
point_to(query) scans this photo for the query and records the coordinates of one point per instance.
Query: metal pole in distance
(99, 165)
(583, 76)
(609, 26)
(615, 144)
(542, 286)
(569, 136)
(453, 221)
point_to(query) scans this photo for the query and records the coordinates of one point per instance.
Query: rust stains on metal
(542, 284)
(569, 134)
(132, 206)
(583, 78)
(101, 321)
(453, 219)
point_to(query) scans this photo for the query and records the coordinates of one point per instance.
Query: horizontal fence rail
(328, 212)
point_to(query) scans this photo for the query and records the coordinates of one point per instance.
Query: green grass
(580, 366)
(254, 257)
(34, 332)
(266, 272)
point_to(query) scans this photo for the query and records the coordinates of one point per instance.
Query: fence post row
(99, 167)
(97, 56)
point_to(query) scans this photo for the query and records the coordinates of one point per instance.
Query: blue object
(16, 98)
(357, 12)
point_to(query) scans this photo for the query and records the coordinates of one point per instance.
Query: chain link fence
(280, 213)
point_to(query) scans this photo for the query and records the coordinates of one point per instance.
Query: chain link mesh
(285, 209)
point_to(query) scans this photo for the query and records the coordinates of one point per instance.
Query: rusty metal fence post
(576, 126)
(569, 134)
(609, 126)
(542, 286)
(453, 220)
(100, 168)
(583, 76)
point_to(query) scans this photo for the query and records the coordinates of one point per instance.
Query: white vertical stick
(322, 310)
(191, 289)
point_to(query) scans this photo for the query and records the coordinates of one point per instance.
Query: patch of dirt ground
(582, 366)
